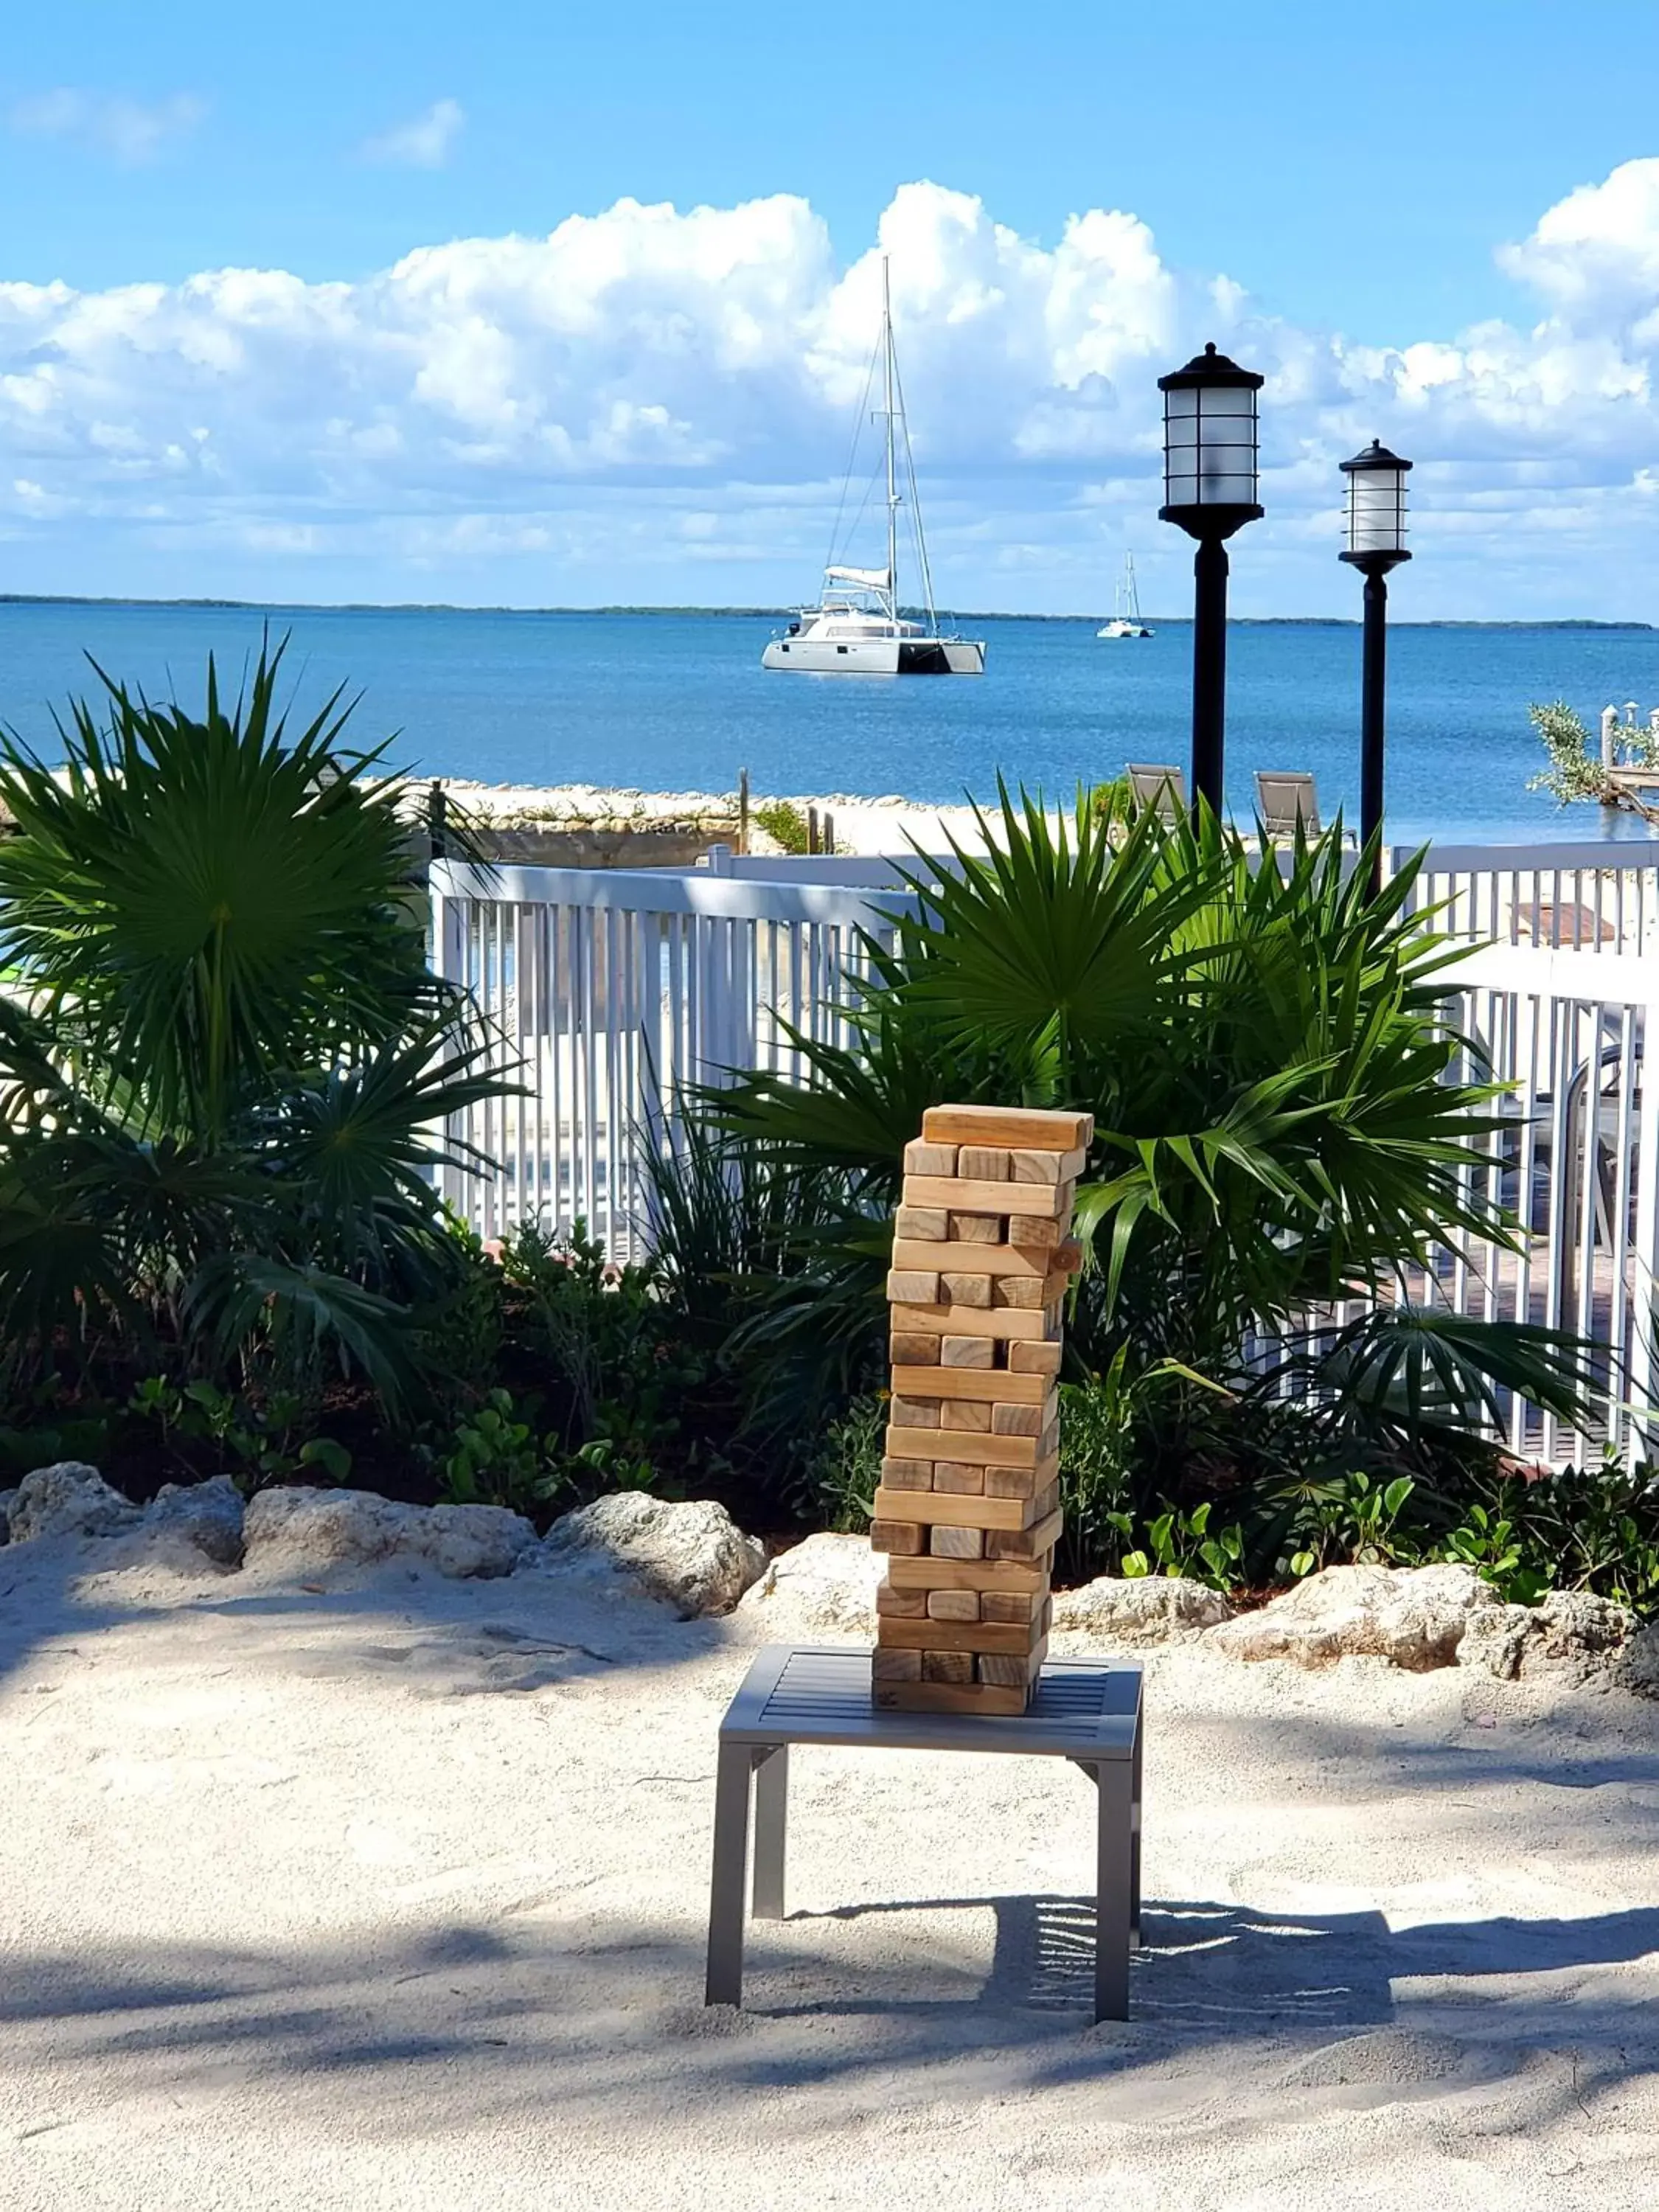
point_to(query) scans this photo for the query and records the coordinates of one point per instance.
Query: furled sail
(867, 580)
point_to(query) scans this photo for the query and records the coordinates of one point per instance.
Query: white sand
(395, 1899)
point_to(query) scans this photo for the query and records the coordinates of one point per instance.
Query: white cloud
(423, 143)
(133, 131)
(582, 414)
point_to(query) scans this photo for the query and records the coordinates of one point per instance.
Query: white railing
(603, 993)
(1587, 899)
(1575, 1163)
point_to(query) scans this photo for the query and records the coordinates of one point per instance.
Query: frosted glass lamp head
(1209, 446)
(1376, 509)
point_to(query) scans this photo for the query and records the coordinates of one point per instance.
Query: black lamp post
(1376, 543)
(1209, 491)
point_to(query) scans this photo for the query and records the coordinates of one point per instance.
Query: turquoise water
(679, 702)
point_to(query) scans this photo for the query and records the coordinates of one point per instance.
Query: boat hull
(878, 656)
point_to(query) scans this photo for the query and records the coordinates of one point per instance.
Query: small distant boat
(856, 629)
(1127, 621)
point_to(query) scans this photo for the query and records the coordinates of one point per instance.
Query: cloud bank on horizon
(656, 405)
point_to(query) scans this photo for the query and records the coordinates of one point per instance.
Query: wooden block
(914, 1412)
(966, 1255)
(907, 1604)
(1019, 1481)
(975, 1228)
(1035, 1358)
(958, 1638)
(1027, 1166)
(1028, 1576)
(967, 1416)
(1037, 1202)
(922, 1156)
(1017, 1420)
(926, 1225)
(1008, 1671)
(957, 1510)
(913, 1286)
(908, 1474)
(944, 1542)
(974, 1351)
(984, 1450)
(993, 1384)
(1012, 1606)
(887, 1665)
(947, 1666)
(981, 1698)
(1024, 1290)
(1023, 1543)
(1050, 1237)
(956, 1477)
(959, 1289)
(904, 1537)
(912, 1348)
(1033, 1126)
(983, 1164)
(946, 1604)
(970, 1320)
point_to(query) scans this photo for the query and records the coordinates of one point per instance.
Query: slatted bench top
(1083, 1709)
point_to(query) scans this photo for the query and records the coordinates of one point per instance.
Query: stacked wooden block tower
(967, 1512)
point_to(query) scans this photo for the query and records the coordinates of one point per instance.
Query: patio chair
(1284, 798)
(1163, 790)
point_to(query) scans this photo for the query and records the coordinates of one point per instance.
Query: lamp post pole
(1377, 543)
(1209, 673)
(1209, 491)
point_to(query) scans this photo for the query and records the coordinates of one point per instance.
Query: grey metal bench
(1088, 1710)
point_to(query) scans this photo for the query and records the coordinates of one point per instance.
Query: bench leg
(771, 1823)
(724, 1982)
(1114, 1886)
(1134, 1851)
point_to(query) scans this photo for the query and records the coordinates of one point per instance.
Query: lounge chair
(1163, 790)
(1285, 799)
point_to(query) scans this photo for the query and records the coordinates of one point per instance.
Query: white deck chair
(1283, 798)
(1163, 790)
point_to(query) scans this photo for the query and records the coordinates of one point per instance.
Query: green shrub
(784, 823)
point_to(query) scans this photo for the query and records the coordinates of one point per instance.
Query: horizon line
(777, 613)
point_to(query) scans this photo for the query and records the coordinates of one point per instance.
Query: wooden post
(743, 810)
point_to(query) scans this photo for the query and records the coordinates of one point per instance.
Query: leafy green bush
(218, 1086)
(784, 823)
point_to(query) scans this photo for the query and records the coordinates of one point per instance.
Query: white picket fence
(603, 993)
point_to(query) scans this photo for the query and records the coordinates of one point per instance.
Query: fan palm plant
(223, 1053)
(1281, 1116)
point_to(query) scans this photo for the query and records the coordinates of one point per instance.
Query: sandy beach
(389, 1891)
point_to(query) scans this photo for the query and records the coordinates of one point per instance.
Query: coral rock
(693, 1556)
(1414, 1617)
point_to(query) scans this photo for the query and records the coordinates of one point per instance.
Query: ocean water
(679, 702)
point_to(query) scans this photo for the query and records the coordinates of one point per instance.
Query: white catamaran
(1127, 621)
(856, 629)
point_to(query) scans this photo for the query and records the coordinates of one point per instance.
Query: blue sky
(1354, 176)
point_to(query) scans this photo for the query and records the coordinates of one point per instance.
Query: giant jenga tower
(967, 1511)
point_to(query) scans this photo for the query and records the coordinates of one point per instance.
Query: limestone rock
(693, 1555)
(1637, 1666)
(1414, 1617)
(827, 1584)
(308, 1532)
(1571, 1635)
(474, 1542)
(197, 1516)
(8, 1499)
(1148, 1609)
(68, 1499)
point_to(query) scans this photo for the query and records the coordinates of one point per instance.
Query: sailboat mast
(892, 483)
